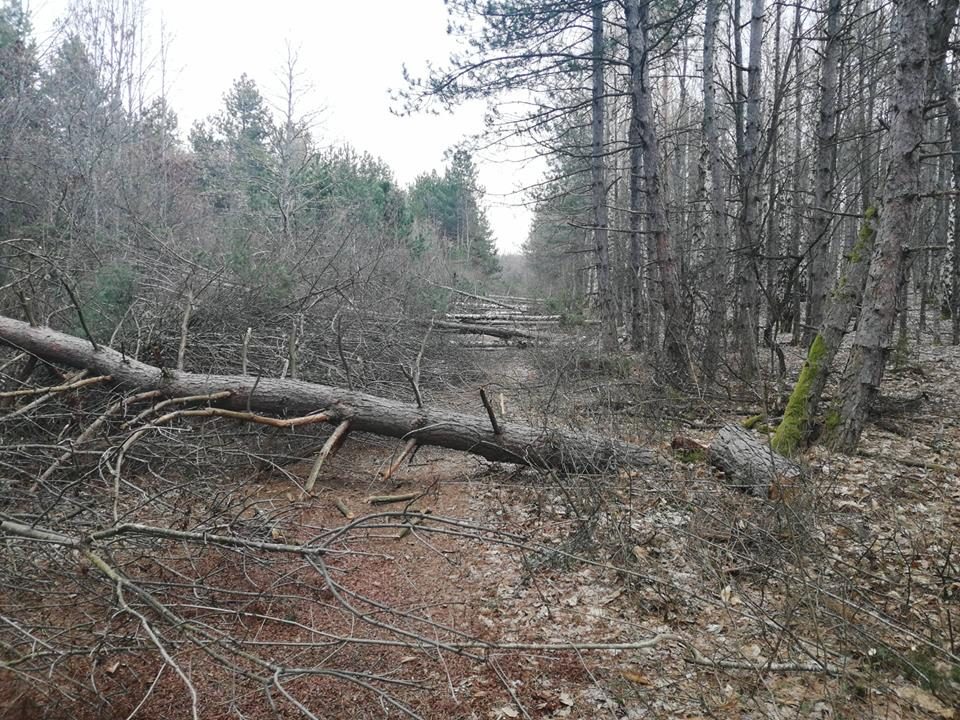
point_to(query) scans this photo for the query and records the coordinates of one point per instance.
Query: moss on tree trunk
(800, 416)
(796, 424)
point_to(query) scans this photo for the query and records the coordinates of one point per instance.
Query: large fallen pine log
(515, 443)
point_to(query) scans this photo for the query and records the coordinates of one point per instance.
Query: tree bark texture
(749, 463)
(712, 167)
(747, 280)
(675, 323)
(516, 443)
(608, 318)
(774, 210)
(795, 240)
(823, 177)
(636, 221)
(861, 383)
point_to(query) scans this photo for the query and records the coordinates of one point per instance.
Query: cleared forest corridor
(480, 360)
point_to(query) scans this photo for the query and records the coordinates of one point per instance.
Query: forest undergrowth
(492, 591)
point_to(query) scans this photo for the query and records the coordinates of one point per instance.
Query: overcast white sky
(351, 55)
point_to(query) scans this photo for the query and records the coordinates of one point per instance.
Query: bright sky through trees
(350, 57)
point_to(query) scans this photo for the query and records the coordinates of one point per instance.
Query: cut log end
(750, 464)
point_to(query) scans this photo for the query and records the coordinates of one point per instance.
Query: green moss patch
(791, 433)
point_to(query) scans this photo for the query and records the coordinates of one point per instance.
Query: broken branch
(330, 447)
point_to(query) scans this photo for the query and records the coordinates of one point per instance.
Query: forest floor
(858, 569)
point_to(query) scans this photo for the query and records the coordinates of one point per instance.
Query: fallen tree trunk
(516, 443)
(496, 318)
(505, 333)
(746, 460)
(750, 464)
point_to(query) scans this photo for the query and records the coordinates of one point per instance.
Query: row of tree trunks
(515, 443)
(879, 285)
(941, 27)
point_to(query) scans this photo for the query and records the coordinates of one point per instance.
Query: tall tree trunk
(712, 164)
(866, 104)
(861, 383)
(637, 325)
(608, 317)
(674, 316)
(823, 177)
(683, 238)
(943, 20)
(953, 108)
(747, 279)
(794, 282)
(772, 245)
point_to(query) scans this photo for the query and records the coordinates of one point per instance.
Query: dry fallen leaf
(635, 677)
(728, 704)
(729, 597)
(925, 701)
(821, 711)
(112, 667)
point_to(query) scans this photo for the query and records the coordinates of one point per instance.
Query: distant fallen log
(503, 317)
(516, 443)
(518, 299)
(505, 333)
(480, 298)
